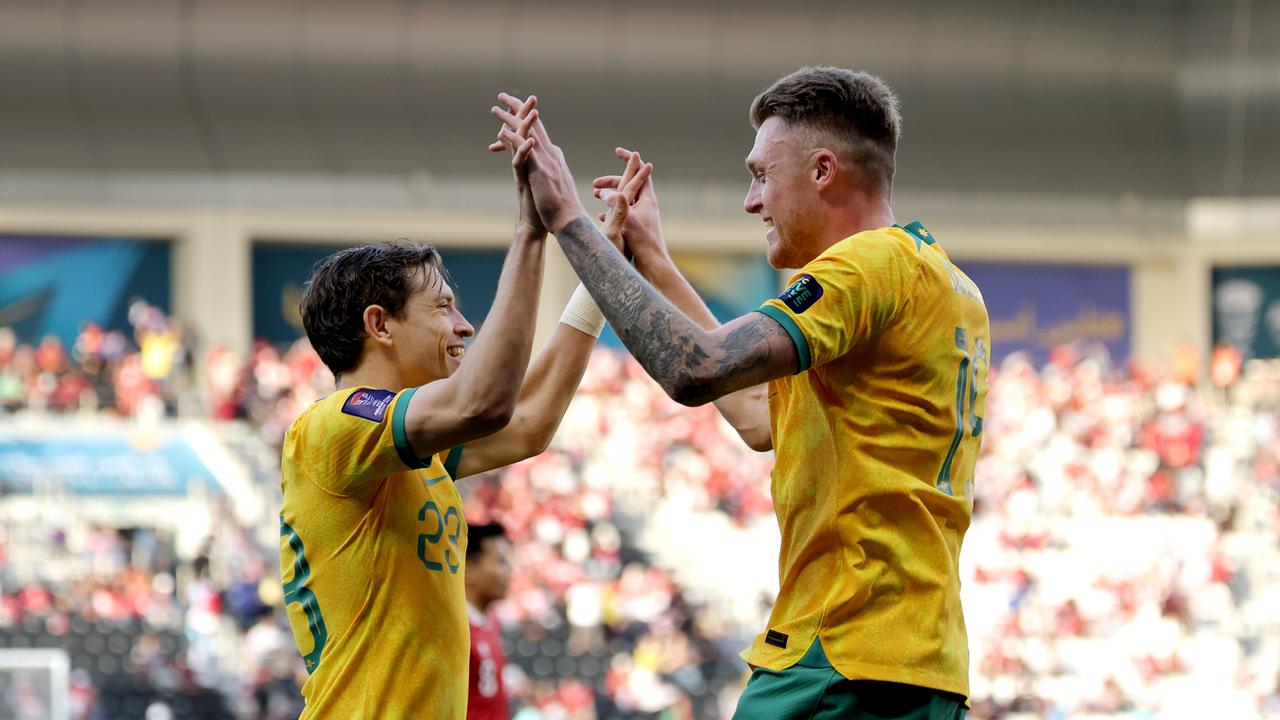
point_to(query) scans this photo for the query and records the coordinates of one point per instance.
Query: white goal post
(36, 680)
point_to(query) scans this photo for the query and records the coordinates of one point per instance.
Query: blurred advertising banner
(281, 270)
(731, 284)
(1035, 308)
(103, 462)
(1246, 309)
(54, 285)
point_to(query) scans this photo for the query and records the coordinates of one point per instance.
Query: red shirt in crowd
(486, 697)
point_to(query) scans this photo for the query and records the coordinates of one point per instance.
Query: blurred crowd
(1122, 561)
(149, 635)
(102, 370)
(156, 370)
(1126, 538)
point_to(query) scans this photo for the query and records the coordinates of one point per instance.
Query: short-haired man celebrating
(875, 358)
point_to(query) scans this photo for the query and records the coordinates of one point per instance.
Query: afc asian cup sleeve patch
(802, 294)
(369, 404)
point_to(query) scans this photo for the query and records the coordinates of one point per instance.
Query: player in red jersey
(488, 572)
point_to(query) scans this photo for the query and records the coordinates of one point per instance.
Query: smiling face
(783, 193)
(429, 333)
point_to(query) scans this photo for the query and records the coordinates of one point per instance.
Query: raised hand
(642, 226)
(530, 223)
(550, 179)
(620, 196)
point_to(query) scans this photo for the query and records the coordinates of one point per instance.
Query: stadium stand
(1123, 560)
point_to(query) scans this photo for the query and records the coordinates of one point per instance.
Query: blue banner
(1035, 308)
(111, 463)
(53, 285)
(1246, 309)
(280, 271)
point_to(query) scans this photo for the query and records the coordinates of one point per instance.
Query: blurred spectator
(488, 573)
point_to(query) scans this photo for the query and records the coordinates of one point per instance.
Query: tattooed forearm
(692, 365)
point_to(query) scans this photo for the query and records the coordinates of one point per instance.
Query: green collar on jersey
(917, 230)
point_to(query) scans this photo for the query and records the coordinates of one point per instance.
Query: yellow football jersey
(876, 438)
(372, 542)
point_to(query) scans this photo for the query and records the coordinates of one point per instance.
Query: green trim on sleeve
(403, 449)
(797, 336)
(452, 459)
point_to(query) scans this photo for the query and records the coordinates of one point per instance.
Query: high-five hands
(549, 177)
(530, 223)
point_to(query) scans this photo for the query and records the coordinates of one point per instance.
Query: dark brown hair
(478, 533)
(854, 109)
(348, 281)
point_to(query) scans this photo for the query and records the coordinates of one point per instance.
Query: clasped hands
(548, 197)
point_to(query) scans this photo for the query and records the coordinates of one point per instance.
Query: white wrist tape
(582, 313)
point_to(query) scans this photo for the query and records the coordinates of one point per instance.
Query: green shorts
(813, 690)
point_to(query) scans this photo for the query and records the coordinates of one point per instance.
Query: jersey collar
(917, 231)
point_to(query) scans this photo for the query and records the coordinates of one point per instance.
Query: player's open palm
(550, 179)
(642, 229)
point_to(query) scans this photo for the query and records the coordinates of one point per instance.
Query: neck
(858, 212)
(374, 372)
(479, 603)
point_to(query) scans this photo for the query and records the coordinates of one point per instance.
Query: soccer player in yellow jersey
(372, 532)
(875, 359)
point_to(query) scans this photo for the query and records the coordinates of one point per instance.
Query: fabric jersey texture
(372, 541)
(876, 438)
(486, 695)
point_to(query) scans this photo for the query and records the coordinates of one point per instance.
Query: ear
(824, 166)
(375, 325)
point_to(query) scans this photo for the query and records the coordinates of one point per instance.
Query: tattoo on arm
(692, 365)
